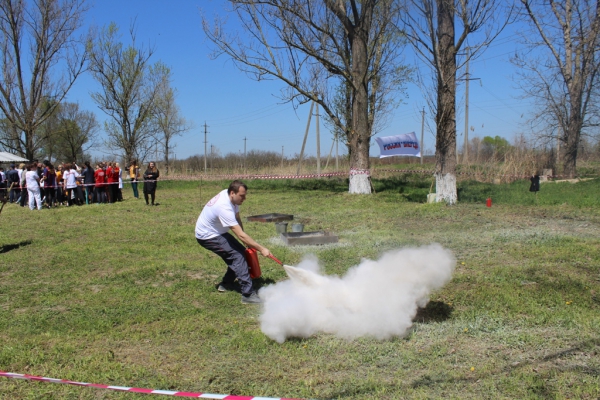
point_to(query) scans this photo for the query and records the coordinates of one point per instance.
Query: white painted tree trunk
(359, 182)
(445, 188)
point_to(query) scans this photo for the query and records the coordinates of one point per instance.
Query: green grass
(122, 294)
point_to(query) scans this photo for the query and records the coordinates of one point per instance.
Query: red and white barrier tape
(428, 171)
(263, 176)
(353, 171)
(410, 171)
(140, 390)
(356, 171)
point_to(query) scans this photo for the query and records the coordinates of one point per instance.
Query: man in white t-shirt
(219, 215)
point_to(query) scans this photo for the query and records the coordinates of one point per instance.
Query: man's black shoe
(227, 287)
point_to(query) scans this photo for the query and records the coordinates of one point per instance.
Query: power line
(242, 120)
(501, 101)
(240, 116)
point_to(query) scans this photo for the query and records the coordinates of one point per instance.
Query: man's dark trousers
(232, 252)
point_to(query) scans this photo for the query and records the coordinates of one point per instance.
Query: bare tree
(560, 68)
(76, 132)
(168, 119)
(129, 88)
(10, 137)
(69, 133)
(430, 26)
(31, 75)
(317, 46)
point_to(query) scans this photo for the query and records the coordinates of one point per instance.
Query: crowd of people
(40, 184)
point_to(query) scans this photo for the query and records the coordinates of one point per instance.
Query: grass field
(123, 295)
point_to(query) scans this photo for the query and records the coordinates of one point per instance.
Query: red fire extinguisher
(253, 265)
(488, 202)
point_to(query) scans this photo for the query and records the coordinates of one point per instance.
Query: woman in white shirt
(70, 176)
(33, 187)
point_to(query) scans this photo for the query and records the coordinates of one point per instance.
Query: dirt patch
(197, 275)
(96, 288)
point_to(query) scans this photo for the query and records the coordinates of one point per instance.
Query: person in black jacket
(535, 183)
(88, 182)
(12, 177)
(150, 177)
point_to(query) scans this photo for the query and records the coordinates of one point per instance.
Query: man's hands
(265, 252)
(248, 241)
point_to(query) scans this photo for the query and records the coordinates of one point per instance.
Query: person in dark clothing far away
(150, 177)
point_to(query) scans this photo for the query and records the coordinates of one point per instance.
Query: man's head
(237, 192)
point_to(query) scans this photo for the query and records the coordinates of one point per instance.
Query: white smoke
(376, 298)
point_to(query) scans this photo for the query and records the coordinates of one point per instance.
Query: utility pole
(329, 155)
(558, 146)
(212, 156)
(318, 144)
(422, 132)
(245, 165)
(281, 159)
(305, 136)
(337, 159)
(205, 132)
(466, 144)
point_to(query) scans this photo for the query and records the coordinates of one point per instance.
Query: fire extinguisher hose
(272, 257)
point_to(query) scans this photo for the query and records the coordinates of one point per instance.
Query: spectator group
(40, 184)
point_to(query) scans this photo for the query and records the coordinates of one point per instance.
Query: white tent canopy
(9, 158)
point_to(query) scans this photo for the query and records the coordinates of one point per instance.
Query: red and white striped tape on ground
(139, 390)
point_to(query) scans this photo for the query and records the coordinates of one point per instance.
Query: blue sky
(235, 107)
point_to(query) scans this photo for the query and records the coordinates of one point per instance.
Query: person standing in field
(134, 175)
(150, 177)
(33, 187)
(60, 198)
(3, 185)
(12, 177)
(119, 192)
(24, 193)
(219, 215)
(49, 179)
(100, 178)
(88, 182)
(70, 176)
(110, 187)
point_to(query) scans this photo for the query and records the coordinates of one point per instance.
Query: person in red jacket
(116, 172)
(110, 182)
(100, 178)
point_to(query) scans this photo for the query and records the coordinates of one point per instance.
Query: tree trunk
(29, 147)
(167, 156)
(573, 138)
(445, 156)
(359, 166)
(360, 136)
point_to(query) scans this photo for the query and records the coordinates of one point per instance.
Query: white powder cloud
(376, 298)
